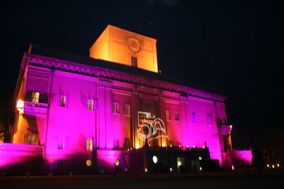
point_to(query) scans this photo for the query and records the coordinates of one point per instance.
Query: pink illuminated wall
(237, 158)
(73, 124)
(174, 127)
(18, 154)
(244, 155)
(66, 130)
(107, 158)
(70, 125)
(119, 129)
(197, 125)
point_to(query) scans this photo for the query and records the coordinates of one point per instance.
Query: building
(115, 108)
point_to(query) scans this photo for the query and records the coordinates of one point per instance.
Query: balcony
(32, 108)
(35, 108)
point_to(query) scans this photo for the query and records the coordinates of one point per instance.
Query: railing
(35, 108)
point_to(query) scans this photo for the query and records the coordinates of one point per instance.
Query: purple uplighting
(95, 112)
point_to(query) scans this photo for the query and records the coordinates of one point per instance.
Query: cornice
(106, 73)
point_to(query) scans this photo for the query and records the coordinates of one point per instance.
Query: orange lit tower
(125, 47)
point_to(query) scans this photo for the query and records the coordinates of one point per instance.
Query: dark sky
(235, 47)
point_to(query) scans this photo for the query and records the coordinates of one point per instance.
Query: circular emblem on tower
(133, 44)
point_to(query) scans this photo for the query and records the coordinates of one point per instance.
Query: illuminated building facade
(101, 112)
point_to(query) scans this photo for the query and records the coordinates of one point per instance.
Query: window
(35, 96)
(177, 118)
(89, 144)
(62, 102)
(60, 143)
(116, 108)
(90, 104)
(30, 138)
(127, 109)
(193, 117)
(168, 115)
(133, 61)
(209, 118)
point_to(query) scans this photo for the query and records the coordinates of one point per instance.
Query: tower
(125, 47)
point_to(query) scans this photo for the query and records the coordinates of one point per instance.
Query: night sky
(232, 47)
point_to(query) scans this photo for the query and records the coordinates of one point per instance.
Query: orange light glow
(89, 162)
(125, 47)
(137, 146)
(20, 106)
(18, 137)
(164, 144)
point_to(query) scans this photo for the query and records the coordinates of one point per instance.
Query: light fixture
(199, 158)
(146, 170)
(155, 159)
(171, 169)
(117, 163)
(233, 167)
(278, 165)
(137, 146)
(89, 162)
(179, 163)
(20, 105)
(200, 168)
(267, 165)
(272, 166)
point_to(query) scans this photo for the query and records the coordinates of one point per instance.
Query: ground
(216, 180)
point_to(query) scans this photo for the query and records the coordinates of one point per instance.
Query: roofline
(38, 52)
(142, 35)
